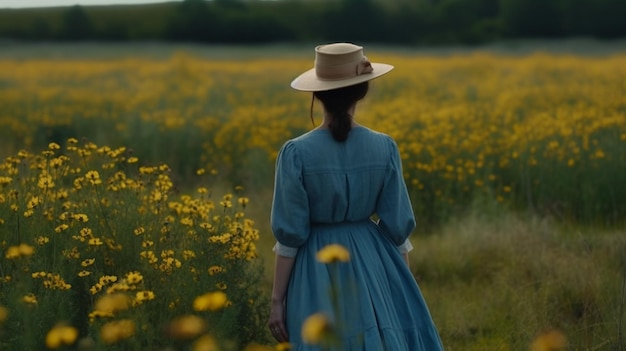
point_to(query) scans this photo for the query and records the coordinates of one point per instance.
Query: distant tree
(76, 24)
(193, 21)
(40, 30)
(532, 18)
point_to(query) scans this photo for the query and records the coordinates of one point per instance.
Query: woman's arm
(406, 258)
(282, 272)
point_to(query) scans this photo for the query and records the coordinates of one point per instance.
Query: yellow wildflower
(113, 332)
(212, 301)
(30, 299)
(61, 227)
(243, 201)
(95, 242)
(144, 295)
(61, 335)
(186, 327)
(54, 146)
(205, 343)
(333, 253)
(213, 270)
(80, 217)
(552, 340)
(93, 177)
(4, 314)
(283, 346)
(112, 303)
(315, 328)
(21, 250)
(134, 278)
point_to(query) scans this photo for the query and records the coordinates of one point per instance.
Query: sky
(53, 3)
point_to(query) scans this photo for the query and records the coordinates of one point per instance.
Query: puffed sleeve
(290, 205)
(394, 205)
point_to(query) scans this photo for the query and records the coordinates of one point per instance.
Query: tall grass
(500, 282)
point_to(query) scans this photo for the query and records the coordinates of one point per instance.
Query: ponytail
(337, 102)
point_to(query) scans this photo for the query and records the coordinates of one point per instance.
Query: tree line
(381, 21)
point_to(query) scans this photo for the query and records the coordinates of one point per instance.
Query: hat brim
(308, 81)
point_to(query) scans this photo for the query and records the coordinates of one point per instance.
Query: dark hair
(337, 102)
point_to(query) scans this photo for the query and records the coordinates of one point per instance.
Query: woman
(330, 183)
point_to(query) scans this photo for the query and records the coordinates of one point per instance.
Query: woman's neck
(328, 118)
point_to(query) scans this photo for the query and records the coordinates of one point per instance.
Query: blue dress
(326, 192)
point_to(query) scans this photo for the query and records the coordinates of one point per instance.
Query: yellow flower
(61, 227)
(113, 303)
(315, 328)
(4, 314)
(205, 343)
(88, 262)
(19, 251)
(54, 146)
(145, 295)
(84, 273)
(552, 340)
(61, 335)
(30, 299)
(26, 250)
(95, 242)
(113, 332)
(213, 270)
(42, 240)
(283, 346)
(243, 201)
(134, 278)
(12, 252)
(80, 217)
(93, 177)
(186, 327)
(213, 301)
(333, 253)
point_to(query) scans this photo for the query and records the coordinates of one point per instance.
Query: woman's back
(343, 180)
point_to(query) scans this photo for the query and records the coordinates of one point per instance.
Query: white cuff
(405, 247)
(285, 251)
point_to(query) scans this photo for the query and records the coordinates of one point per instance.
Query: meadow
(136, 184)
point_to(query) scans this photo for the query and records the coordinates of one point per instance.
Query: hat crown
(340, 61)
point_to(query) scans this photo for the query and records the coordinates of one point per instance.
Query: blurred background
(403, 22)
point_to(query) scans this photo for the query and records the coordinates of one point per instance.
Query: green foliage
(398, 22)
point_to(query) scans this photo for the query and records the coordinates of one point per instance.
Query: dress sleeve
(290, 205)
(394, 208)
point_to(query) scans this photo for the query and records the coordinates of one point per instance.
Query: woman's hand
(277, 323)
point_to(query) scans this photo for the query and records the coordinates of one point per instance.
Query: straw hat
(339, 65)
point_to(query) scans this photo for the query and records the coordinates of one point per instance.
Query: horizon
(17, 4)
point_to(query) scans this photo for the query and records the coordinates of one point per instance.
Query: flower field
(541, 131)
(117, 231)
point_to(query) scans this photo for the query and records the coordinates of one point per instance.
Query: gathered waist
(337, 225)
